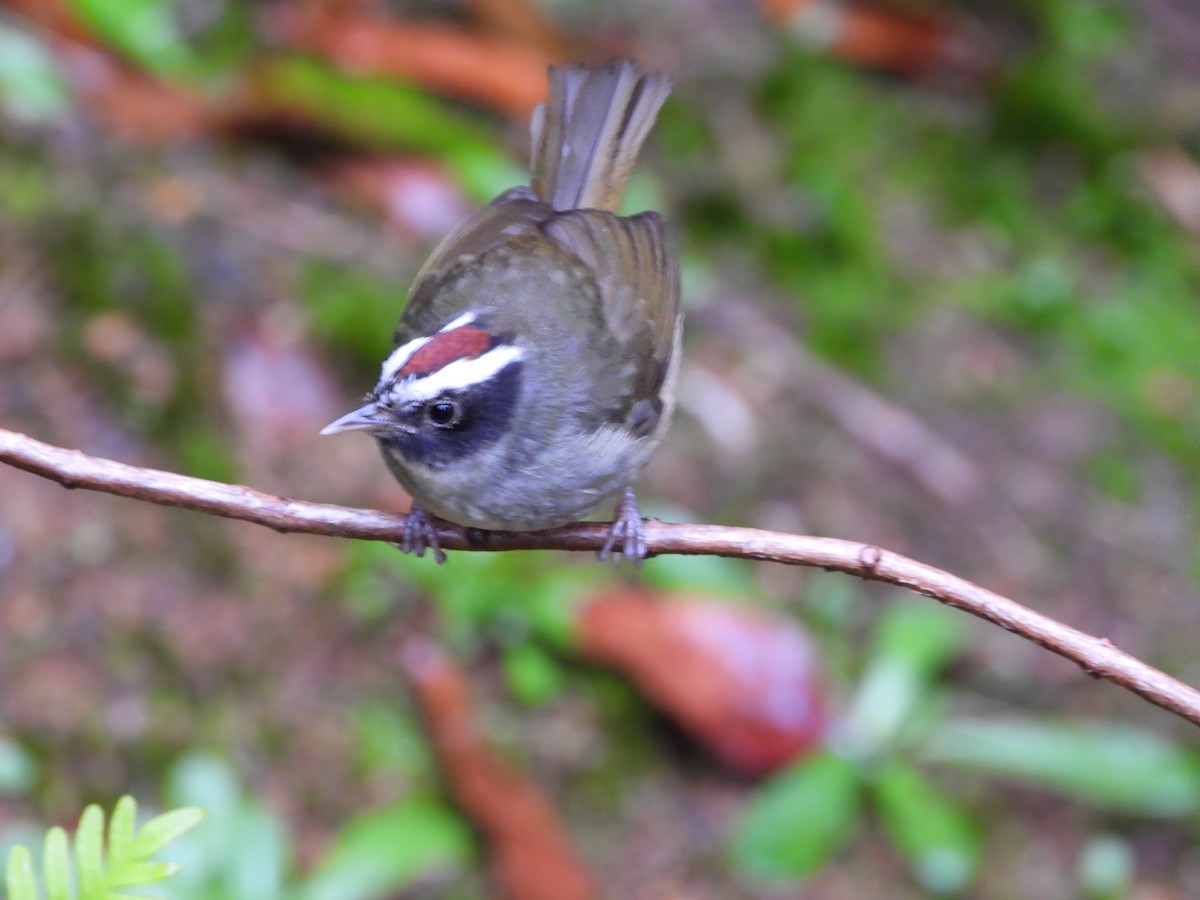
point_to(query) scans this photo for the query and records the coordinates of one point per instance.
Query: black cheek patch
(487, 411)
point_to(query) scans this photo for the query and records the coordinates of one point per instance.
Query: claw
(627, 529)
(421, 535)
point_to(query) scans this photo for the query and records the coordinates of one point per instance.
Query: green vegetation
(996, 256)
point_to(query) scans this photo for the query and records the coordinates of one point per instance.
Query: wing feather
(638, 277)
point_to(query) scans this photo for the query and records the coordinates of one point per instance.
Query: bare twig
(1097, 656)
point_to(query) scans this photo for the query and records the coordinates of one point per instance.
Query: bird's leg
(627, 529)
(420, 534)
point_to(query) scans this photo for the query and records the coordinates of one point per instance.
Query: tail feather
(587, 136)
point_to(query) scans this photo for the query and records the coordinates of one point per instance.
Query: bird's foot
(420, 534)
(628, 530)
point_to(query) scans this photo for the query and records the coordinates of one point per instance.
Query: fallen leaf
(531, 856)
(745, 685)
(913, 43)
(495, 72)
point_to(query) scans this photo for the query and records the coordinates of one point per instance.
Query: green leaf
(712, 575)
(799, 820)
(98, 876)
(1106, 868)
(258, 863)
(483, 172)
(32, 86)
(514, 593)
(163, 829)
(56, 866)
(18, 875)
(380, 853)
(390, 738)
(121, 830)
(935, 836)
(912, 643)
(925, 636)
(131, 874)
(1114, 767)
(89, 851)
(144, 30)
(207, 781)
(389, 114)
(533, 676)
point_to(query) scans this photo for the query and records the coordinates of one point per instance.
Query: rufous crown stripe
(444, 348)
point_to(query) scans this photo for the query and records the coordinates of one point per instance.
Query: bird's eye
(443, 413)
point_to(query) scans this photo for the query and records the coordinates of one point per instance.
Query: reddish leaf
(914, 43)
(531, 855)
(136, 107)
(1173, 177)
(495, 72)
(521, 20)
(743, 684)
(58, 19)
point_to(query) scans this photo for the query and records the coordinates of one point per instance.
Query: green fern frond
(100, 873)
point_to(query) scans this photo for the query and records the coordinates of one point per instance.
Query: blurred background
(943, 296)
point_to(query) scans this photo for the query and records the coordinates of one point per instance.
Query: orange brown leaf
(744, 685)
(532, 857)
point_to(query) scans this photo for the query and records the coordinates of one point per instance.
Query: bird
(534, 366)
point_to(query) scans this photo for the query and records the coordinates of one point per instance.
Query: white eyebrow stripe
(399, 357)
(459, 375)
(464, 319)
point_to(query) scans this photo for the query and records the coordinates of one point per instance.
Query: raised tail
(586, 137)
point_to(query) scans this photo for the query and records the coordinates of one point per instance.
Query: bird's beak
(365, 418)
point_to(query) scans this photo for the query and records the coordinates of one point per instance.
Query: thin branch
(1098, 657)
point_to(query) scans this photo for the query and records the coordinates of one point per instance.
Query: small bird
(534, 366)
